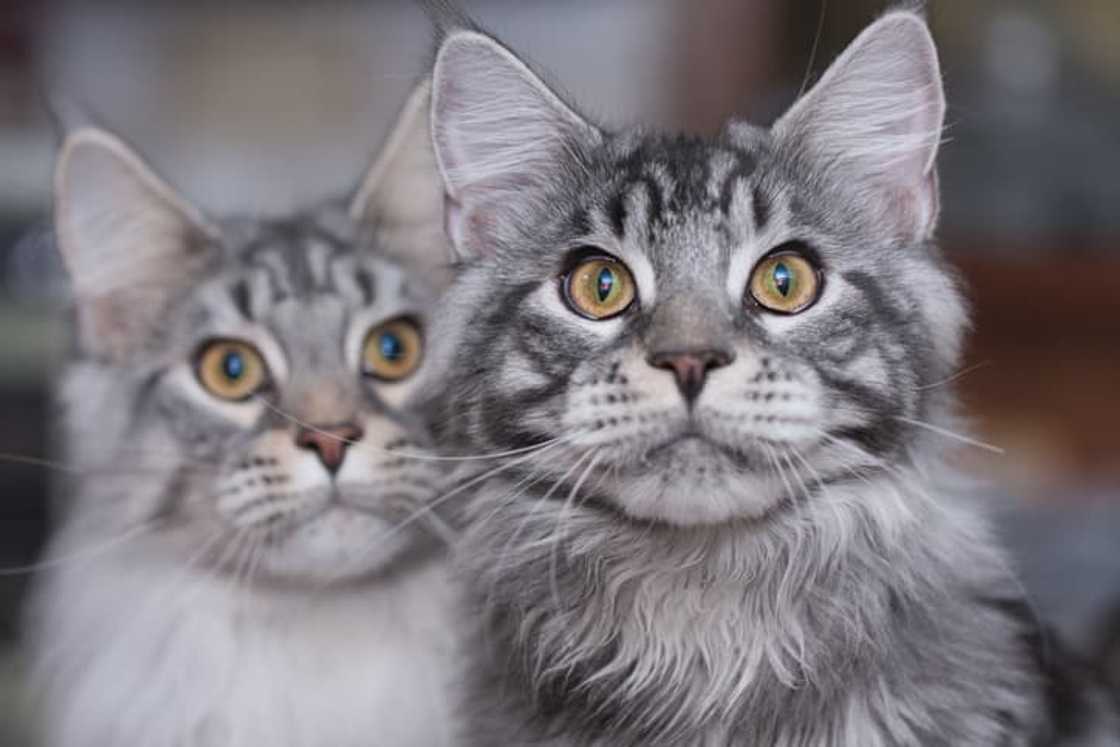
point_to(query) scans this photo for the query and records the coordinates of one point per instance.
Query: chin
(338, 546)
(692, 483)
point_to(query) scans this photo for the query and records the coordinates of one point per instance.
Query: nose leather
(329, 442)
(690, 367)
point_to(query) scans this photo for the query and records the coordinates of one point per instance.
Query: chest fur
(203, 664)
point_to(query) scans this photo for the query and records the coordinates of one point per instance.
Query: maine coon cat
(246, 465)
(730, 355)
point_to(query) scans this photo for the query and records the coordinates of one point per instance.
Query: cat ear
(401, 196)
(499, 134)
(128, 241)
(874, 120)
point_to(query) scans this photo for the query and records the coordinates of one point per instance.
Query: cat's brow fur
(841, 589)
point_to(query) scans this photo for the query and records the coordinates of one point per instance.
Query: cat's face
(288, 372)
(264, 364)
(709, 326)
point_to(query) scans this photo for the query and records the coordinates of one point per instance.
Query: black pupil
(605, 284)
(782, 279)
(233, 365)
(391, 347)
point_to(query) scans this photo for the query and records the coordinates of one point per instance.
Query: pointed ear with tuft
(129, 243)
(500, 133)
(401, 197)
(874, 120)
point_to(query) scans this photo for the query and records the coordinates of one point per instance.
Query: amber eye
(785, 283)
(392, 350)
(231, 370)
(599, 288)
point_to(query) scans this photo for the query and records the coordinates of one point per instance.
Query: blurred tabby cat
(235, 410)
(731, 354)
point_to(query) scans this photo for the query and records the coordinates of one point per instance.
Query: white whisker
(396, 452)
(560, 528)
(85, 553)
(950, 434)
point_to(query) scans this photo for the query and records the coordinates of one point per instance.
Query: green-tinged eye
(785, 283)
(230, 369)
(599, 288)
(392, 350)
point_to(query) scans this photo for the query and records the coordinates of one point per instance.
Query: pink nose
(690, 367)
(329, 442)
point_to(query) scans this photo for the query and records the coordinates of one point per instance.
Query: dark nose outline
(329, 442)
(691, 368)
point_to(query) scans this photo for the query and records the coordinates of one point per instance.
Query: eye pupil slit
(605, 284)
(785, 282)
(782, 279)
(391, 347)
(233, 365)
(599, 287)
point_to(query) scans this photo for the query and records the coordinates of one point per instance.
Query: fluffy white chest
(210, 667)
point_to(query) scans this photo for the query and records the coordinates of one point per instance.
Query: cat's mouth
(689, 441)
(689, 451)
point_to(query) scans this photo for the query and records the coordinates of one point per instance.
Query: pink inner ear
(910, 209)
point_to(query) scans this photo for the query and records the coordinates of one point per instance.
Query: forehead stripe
(744, 167)
(760, 204)
(239, 294)
(364, 281)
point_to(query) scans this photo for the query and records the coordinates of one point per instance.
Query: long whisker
(85, 553)
(950, 434)
(39, 462)
(958, 375)
(432, 505)
(553, 582)
(771, 454)
(396, 452)
(556, 483)
(967, 440)
(519, 488)
(813, 51)
(99, 469)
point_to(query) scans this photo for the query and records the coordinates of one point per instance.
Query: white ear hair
(401, 196)
(127, 240)
(498, 131)
(875, 119)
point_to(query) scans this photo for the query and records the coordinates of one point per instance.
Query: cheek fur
(620, 400)
(185, 387)
(763, 399)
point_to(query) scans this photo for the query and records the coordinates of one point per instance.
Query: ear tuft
(875, 118)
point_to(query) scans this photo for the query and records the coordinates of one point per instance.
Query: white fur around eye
(393, 393)
(243, 413)
(549, 297)
(645, 281)
(831, 292)
(739, 272)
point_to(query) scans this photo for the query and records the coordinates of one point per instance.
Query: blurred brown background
(260, 106)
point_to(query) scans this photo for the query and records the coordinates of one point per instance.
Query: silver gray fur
(211, 582)
(789, 562)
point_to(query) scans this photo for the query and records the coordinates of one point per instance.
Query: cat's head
(242, 381)
(710, 325)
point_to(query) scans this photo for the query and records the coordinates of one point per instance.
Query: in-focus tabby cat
(245, 463)
(731, 352)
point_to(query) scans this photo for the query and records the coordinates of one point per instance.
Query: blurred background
(261, 106)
